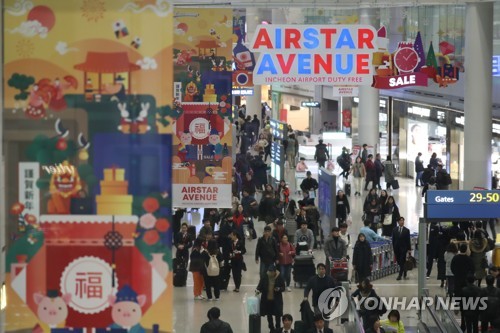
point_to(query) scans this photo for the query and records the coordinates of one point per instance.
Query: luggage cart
(339, 269)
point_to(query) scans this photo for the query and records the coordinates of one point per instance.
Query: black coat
(259, 168)
(362, 259)
(386, 209)
(461, 266)
(471, 291)
(274, 307)
(343, 208)
(216, 326)
(267, 251)
(401, 244)
(370, 215)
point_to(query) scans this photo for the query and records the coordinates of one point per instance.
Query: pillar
(3, 225)
(253, 103)
(478, 95)
(369, 104)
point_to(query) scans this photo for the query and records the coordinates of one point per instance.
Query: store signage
(279, 129)
(345, 91)
(310, 104)
(242, 92)
(496, 65)
(459, 205)
(322, 54)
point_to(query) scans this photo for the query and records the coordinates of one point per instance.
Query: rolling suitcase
(347, 189)
(254, 323)
(192, 232)
(180, 272)
(303, 269)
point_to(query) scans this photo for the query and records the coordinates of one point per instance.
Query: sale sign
(322, 54)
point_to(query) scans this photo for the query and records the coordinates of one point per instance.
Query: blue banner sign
(462, 205)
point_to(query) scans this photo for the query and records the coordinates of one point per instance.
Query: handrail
(451, 317)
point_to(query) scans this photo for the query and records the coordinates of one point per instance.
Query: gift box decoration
(113, 187)
(114, 174)
(114, 204)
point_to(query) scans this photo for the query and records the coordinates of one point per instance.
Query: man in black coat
(461, 267)
(183, 243)
(470, 311)
(318, 284)
(309, 183)
(271, 286)
(493, 293)
(401, 245)
(214, 324)
(266, 251)
(320, 326)
(427, 174)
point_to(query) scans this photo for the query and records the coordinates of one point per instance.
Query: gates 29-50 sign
(330, 54)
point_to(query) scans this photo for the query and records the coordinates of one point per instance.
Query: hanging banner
(29, 193)
(88, 224)
(410, 66)
(202, 162)
(320, 54)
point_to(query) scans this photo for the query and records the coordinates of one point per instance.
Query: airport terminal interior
(152, 150)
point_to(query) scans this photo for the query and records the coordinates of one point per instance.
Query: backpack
(321, 154)
(213, 268)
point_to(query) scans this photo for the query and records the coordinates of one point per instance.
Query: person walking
(317, 284)
(478, 248)
(290, 220)
(236, 256)
(214, 324)
(451, 252)
(291, 153)
(335, 248)
(389, 172)
(343, 208)
(379, 170)
(390, 216)
(471, 293)
(433, 161)
(271, 286)
(213, 261)
(371, 172)
(364, 153)
(358, 173)
(183, 243)
(362, 259)
(419, 170)
(197, 268)
(401, 245)
(321, 155)
(286, 255)
(266, 251)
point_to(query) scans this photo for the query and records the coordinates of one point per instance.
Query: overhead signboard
(310, 104)
(462, 205)
(319, 54)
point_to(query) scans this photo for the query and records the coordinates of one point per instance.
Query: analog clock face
(406, 59)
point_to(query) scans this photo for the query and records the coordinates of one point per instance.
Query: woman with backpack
(213, 261)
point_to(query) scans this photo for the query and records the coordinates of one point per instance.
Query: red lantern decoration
(61, 144)
(17, 208)
(162, 224)
(151, 237)
(30, 219)
(150, 205)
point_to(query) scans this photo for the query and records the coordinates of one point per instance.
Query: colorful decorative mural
(89, 91)
(202, 160)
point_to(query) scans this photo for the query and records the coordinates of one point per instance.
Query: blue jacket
(371, 236)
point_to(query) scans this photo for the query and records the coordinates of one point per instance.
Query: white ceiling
(317, 3)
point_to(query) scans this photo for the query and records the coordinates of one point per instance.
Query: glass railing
(438, 320)
(355, 324)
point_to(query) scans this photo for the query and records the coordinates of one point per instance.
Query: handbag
(410, 263)
(348, 220)
(387, 219)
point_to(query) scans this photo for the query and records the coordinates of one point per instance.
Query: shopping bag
(387, 219)
(253, 304)
(348, 220)
(312, 194)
